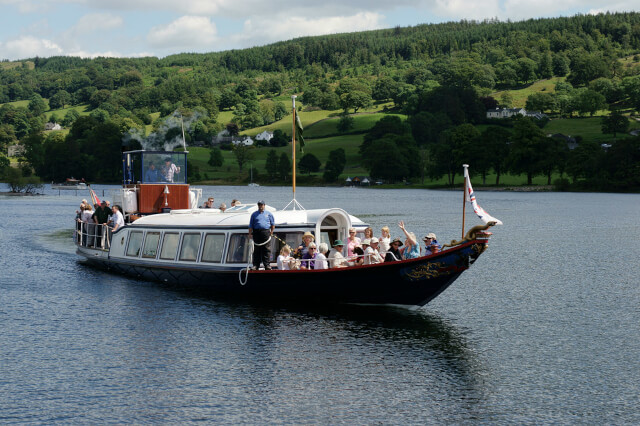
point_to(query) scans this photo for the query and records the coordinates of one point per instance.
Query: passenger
(303, 248)
(208, 204)
(336, 259)
(368, 233)
(309, 259)
(412, 249)
(365, 245)
(393, 254)
(431, 243)
(371, 254)
(118, 219)
(321, 257)
(352, 242)
(101, 218)
(169, 170)
(152, 174)
(284, 259)
(385, 240)
(235, 202)
(358, 256)
(222, 207)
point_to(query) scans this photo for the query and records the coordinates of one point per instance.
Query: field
(590, 128)
(519, 96)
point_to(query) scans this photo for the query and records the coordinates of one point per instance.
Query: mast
(464, 195)
(293, 146)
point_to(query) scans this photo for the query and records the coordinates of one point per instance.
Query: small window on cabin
(151, 245)
(190, 247)
(169, 246)
(293, 239)
(213, 247)
(238, 249)
(135, 242)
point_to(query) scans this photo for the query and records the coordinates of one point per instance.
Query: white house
(264, 136)
(52, 126)
(246, 140)
(505, 112)
(15, 150)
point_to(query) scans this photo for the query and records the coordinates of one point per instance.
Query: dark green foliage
(215, 158)
(271, 164)
(243, 154)
(284, 167)
(279, 138)
(615, 123)
(309, 163)
(345, 123)
(335, 165)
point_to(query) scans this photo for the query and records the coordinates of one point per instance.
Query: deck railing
(93, 235)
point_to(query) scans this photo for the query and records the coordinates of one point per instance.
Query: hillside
(439, 77)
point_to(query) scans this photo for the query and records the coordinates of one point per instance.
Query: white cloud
(96, 22)
(186, 32)
(28, 47)
(257, 33)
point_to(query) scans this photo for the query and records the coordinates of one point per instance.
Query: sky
(135, 28)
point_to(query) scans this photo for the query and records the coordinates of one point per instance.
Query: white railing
(93, 235)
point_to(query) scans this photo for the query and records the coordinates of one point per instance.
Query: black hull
(411, 282)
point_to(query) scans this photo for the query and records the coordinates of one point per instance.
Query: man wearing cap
(371, 254)
(101, 217)
(393, 254)
(261, 227)
(336, 259)
(431, 244)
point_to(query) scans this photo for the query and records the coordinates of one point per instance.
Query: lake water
(544, 327)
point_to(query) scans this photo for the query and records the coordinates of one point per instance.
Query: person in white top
(117, 218)
(385, 240)
(371, 254)
(336, 258)
(321, 257)
(284, 259)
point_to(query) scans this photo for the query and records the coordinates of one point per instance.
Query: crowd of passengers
(100, 220)
(356, 251)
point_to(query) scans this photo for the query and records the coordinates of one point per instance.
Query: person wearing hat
(393, 254)
(261, 227)
(100, 218)
(336, 258)
(303, 248)
(431, 243)
(371, 254)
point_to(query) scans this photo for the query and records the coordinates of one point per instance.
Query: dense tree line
(440, 75)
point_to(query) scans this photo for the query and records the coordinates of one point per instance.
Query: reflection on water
(542, 329)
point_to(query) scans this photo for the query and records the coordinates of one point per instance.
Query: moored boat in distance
(70, 183)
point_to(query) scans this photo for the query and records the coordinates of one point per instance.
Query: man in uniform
(261, 227)
(101, 217)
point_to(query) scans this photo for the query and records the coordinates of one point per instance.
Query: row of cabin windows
(212, 247)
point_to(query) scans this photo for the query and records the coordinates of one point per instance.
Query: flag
(471, 197)
(94, 198)
(299, 129)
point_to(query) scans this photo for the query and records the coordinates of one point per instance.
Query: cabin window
(169, 246)
(135, 242)
(329, 221)
(238, 249)
(151, 245)
(190, 247)
(213, 247)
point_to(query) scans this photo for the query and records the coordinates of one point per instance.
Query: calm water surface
(544, 328)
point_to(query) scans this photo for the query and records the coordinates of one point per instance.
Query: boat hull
(412, 282)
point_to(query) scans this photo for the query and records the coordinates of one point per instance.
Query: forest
(429, 87)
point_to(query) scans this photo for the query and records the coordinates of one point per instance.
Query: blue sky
(133, 28)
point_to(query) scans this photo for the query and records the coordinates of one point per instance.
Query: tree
(615, 123)
(589, 101)
(284, 167)
(345, 123)
(453, 149)
(335, 165)
(4, 163)
(495, 140)
(309, 163)
(37, 105)
(272, 164)
(356, 100)
(527, 150)
(59, 99)
(18, 183)
(243, 154)
(279, 139)
(232, 129)
(540, 102)
(215, 158)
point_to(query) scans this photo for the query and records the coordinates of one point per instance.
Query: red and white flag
(94, 198)
(471, 197)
